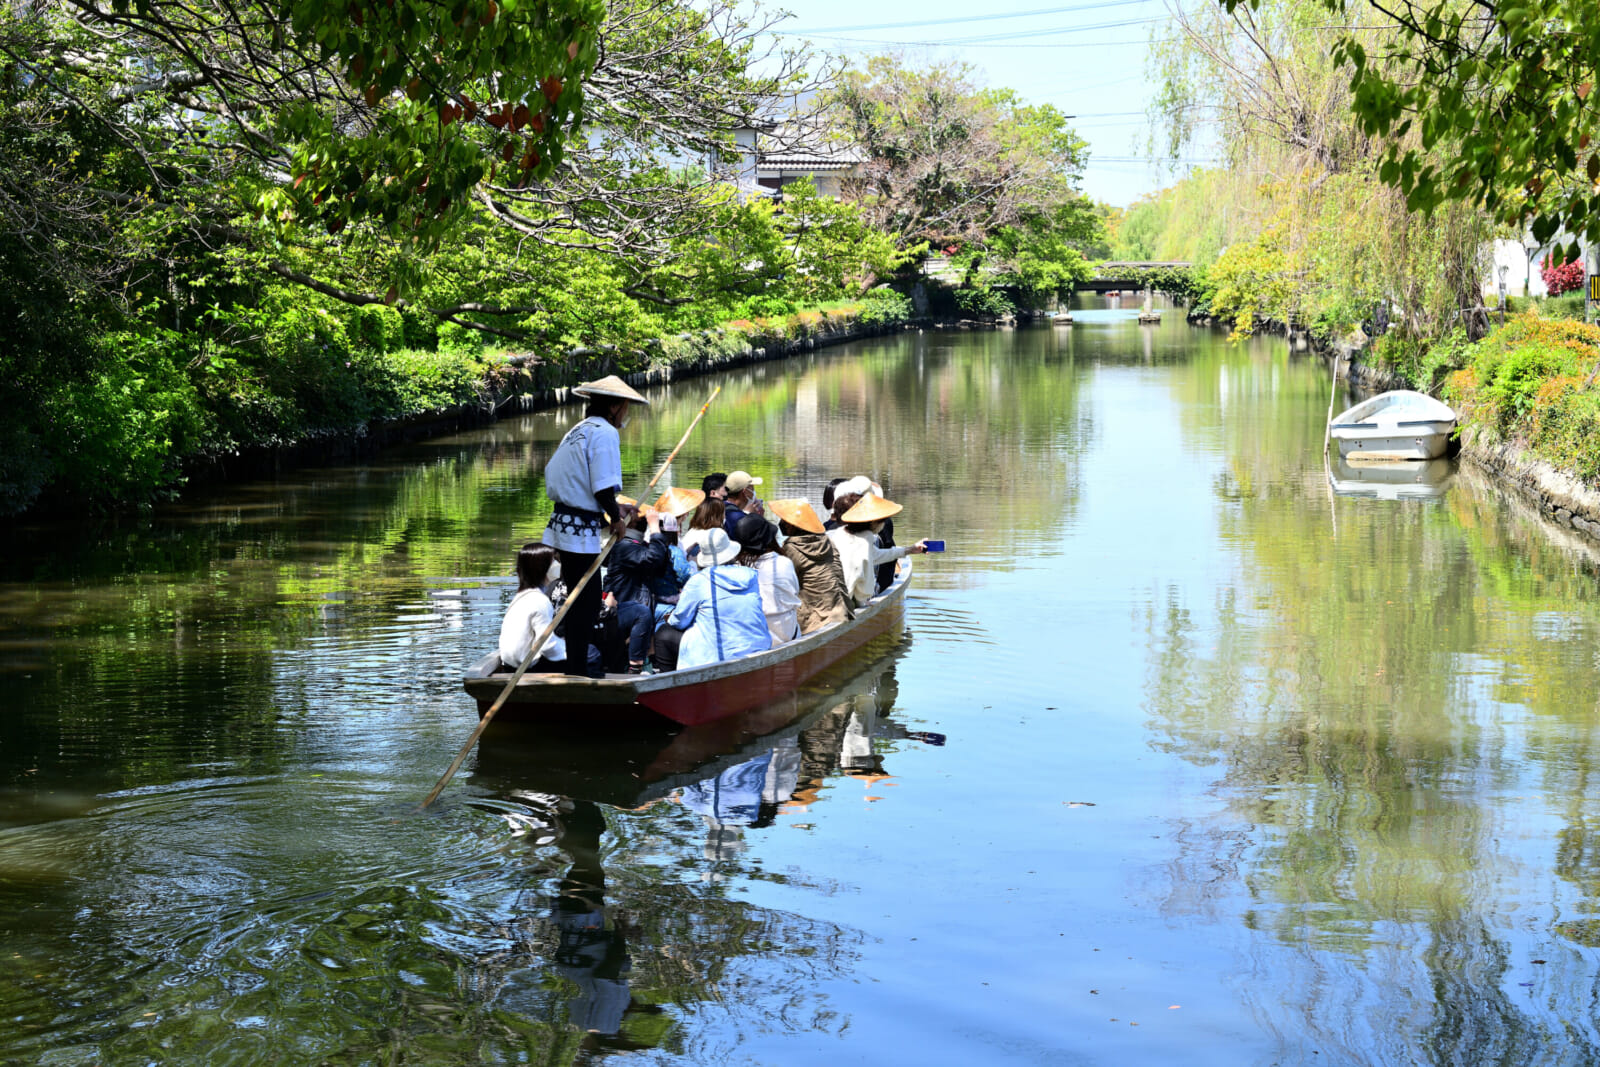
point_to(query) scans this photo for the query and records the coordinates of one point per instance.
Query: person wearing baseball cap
(741, 499)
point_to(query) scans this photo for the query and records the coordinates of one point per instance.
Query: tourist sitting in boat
(531, 611)
(674, 505)
(719, 611)
(636, 563)
(780, 588)
(860, 552)
(741, 500)
(707, 517)
(823, 598)
(715, 486)
(863, 485)
(829, 491)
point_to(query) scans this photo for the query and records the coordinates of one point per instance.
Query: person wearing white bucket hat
(582, 480)
(719, 615)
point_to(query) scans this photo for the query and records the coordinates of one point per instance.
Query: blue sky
(1087, 58)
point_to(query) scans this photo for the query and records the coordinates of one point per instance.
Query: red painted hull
(708, 701)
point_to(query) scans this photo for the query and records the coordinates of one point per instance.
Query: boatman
(582, 480)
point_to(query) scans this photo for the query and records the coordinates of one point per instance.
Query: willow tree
(1504, 87)
(1262, 81)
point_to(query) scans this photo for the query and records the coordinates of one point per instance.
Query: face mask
(553, 575)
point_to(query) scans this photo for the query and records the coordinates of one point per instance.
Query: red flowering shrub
(1563, 278)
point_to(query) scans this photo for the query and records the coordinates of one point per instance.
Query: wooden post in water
(539, 642)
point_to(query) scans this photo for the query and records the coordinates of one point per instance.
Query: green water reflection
(1179, 736)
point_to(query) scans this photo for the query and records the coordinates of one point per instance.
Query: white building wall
(1511, 255)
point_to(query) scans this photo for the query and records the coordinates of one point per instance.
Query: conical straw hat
(797, 512)
(680, 502)
(871, 508)
(611, 386)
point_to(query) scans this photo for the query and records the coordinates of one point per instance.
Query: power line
(966, 18)
(1010, 35)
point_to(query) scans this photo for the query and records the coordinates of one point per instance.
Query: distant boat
(1401, 424)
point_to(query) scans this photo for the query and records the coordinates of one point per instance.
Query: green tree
(1501, 88)
(945, 160)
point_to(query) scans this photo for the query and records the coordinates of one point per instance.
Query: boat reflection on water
(552, 781)
(1408, 479)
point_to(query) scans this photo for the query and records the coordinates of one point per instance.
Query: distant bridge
(1129, 274)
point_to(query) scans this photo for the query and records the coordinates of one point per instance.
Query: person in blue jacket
(719, 610)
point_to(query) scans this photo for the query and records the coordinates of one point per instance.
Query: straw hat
(871, 508)
(797, 513)
(679, 501)
(627, 501)
(717, 548)
(610, 386)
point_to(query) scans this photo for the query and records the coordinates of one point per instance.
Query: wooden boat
(698, 694)
(1401, 424)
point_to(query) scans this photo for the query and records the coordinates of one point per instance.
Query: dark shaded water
(1183, 757)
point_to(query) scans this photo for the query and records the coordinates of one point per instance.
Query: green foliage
(1532, 382)
(1422, 363)
(981, 302)
(1041, 256)
(116, 434)
(1503, 86)
(1565, 306)
(883, 307)
(1251, 283)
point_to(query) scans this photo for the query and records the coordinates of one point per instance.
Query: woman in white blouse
(531, 611)
(780, 585)
(857, 541)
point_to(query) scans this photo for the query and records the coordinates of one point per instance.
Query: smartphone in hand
(933, 546)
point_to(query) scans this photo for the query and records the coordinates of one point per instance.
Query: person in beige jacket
(823, 599)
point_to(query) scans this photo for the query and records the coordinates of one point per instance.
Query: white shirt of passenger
(860, 555)
(530, 612)
(780, 596)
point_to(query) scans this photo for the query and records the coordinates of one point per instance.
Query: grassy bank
(163, 405)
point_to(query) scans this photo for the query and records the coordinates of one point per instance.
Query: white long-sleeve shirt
(780, 596)
(530, 612)
(861, 555)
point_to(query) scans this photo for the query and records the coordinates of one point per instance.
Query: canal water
(1184, 756)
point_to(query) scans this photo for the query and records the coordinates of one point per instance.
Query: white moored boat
(1397, 425)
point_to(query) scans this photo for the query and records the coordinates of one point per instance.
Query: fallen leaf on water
(1078, 803)
(1174, 1007)
(1538, 961)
